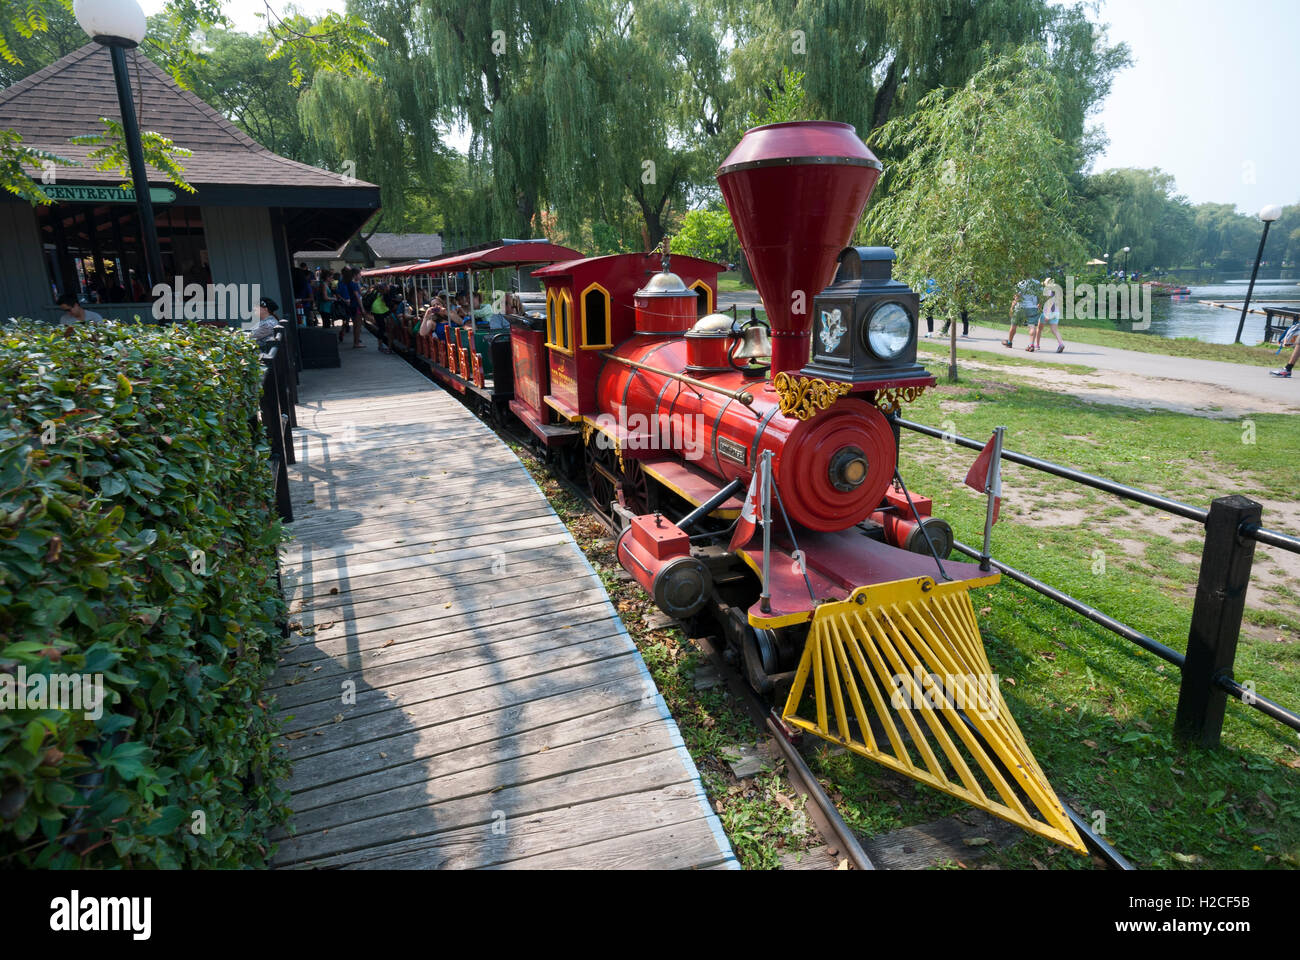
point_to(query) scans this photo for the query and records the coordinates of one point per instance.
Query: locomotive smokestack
(795, 192)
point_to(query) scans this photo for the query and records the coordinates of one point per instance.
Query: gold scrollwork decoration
(803, 397)
(588, 429)
(889, 399)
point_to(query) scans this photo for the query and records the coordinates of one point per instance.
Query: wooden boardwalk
(461, 693)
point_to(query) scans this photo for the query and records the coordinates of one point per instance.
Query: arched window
(551, 313)
(704, 298)
(595, 318)
(566, 313)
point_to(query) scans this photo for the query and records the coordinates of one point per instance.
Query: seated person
(435, 320)
(481, 310)
(267, 320)
(73, 310)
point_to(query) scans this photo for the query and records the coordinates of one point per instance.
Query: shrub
(137, 541)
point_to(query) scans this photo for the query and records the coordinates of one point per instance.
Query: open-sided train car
(476, 363)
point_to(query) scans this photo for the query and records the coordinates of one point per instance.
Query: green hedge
(124, 452)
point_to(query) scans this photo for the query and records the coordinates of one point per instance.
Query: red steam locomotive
(837, 594)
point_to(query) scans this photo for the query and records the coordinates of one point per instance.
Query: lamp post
(1268, 215)
(120, 25)
(1126, 250)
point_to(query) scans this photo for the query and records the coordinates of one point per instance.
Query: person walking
(350, 291)
(1024, 309)
(1051, 317)
(1285, 372)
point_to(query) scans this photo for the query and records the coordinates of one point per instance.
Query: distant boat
(1159, 289)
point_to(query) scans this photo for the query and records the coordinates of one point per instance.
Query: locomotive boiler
(843, 605)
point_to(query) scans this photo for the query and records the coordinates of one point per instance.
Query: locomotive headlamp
(888, 330)
(864, 325)
(848, 469)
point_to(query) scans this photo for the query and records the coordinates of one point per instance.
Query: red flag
(978, 477)
(750, 514)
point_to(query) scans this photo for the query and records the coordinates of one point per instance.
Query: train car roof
(499, 253)
(567, 267)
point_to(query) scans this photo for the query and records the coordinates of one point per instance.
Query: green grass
(729, 281)
(1097, 710)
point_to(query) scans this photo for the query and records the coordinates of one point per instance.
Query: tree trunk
(952, 347)
(526, 206)
(885, 95)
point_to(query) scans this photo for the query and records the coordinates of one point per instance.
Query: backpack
(369, 301)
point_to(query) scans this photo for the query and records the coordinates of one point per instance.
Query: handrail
(739, 396)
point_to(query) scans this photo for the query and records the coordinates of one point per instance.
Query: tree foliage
(980, 195)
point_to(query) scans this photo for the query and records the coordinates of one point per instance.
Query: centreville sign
(63, 193)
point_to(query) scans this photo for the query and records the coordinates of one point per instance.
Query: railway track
(840, 839)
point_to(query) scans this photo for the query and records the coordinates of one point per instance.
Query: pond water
(1184, 317)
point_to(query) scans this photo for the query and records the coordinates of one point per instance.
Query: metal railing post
(1216, 619)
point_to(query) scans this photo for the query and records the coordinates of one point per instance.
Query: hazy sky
(1211, 96)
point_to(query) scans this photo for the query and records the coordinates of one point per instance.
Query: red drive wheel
(834, 469)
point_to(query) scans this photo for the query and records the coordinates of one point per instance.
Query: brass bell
(755, 345)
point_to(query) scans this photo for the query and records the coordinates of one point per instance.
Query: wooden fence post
(1216, 619)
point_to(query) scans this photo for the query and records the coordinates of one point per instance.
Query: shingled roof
(405, 246)
(69, 96)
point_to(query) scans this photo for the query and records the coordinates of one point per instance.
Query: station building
(250, 207)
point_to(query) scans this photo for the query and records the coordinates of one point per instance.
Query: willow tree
(514, 73)
(981, 196)
(866, 61)
(660, 75)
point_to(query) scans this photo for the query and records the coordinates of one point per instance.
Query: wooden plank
(343, 570)
(941, 841)
(517, 694)
(814, 858)
(424, 622)
(616, 779)
(405, 683)
(684, 845)
(385, 667)
(442, 785)
(392, 589)
(451, 634)
(418, 541)
(576, 837)
(409, 698)
(355, 772)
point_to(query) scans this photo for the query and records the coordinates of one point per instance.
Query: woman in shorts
(1051, 316)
